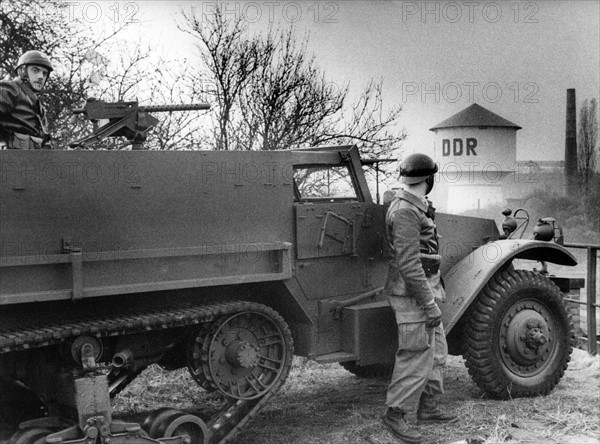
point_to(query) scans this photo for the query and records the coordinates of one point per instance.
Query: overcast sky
(516, 59)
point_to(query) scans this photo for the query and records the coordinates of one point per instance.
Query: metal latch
(76, 258)
(341, 238)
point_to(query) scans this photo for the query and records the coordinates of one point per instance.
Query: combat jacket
(411, 235)
(21, 111)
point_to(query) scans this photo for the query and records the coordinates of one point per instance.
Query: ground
(326, 404)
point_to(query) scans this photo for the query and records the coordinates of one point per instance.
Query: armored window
(328, 183)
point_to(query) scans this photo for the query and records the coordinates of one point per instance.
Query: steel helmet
(35, 58)
(417, 168)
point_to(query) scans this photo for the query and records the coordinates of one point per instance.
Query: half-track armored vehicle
(229, 264)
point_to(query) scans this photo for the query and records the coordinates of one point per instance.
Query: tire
(369, 371)
(519, 335)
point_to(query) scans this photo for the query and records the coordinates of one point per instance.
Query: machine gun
(126, 119)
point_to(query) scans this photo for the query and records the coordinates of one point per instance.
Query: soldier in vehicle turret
(23, 123)
(414, 288)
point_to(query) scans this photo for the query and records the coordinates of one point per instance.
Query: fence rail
(591, 284)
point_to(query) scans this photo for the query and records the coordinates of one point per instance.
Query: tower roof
(475, 115)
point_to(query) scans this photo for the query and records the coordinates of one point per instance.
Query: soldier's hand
(434, 315)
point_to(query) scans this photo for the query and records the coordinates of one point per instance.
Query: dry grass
(326, 404)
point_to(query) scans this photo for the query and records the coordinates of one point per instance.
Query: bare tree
(178, 130)
(288, 102)
(587, 141)
(271, 93)
(231, 57)
(25, 26)
(587, 152)
(369, 124)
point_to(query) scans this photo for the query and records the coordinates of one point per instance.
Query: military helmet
(35, 58)
(417, 168)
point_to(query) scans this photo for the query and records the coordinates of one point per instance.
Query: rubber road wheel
(519, 335)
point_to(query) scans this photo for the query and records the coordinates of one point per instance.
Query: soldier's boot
(395, 422)
(429, 410)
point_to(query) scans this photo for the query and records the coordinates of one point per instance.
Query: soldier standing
(23, 122)
(414, 287)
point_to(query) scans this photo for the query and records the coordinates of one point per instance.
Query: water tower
(476, 151)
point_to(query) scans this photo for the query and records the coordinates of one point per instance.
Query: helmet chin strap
(429, 181)
(22, 73)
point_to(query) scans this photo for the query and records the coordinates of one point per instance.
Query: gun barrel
(157, 108)
(167, 108)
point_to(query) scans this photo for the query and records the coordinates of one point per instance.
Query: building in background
(476, 151)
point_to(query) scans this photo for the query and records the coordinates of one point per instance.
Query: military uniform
(23, 122)
(414, 282)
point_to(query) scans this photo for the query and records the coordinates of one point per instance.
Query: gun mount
(126, 119)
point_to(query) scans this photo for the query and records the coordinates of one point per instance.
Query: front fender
(465, 280)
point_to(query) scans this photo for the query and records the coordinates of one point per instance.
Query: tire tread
(481, 360)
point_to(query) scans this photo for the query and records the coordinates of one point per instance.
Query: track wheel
(243, 355)
(154, 420)
(33, 435)
(191, 428)
(369, 371)
(519, 334)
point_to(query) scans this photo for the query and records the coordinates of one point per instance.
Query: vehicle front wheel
(519, 335)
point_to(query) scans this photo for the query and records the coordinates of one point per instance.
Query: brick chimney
(571, 173)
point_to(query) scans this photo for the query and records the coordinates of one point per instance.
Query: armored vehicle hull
(229, 263)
